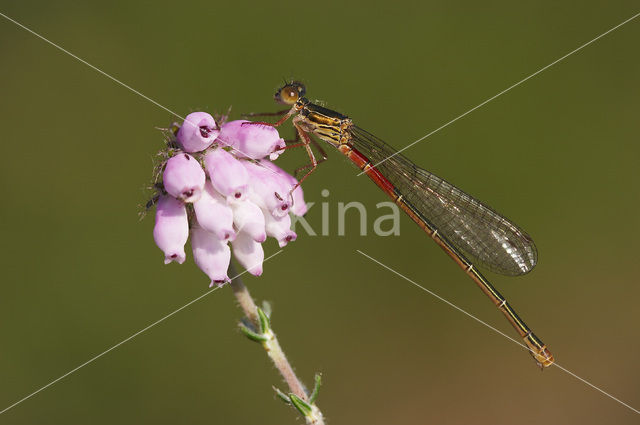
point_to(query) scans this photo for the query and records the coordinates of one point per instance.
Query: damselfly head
(290, 93)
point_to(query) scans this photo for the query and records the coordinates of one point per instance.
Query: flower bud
(268, 189)
(171, 229)
(249, 253)
(280, 228)
(183, 177)
(211, 255)
(249, 219)
(198, 132)
(253, 141)
(227, 174)
(214, 214)
(299, 206)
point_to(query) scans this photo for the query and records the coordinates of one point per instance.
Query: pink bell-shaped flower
(198, 132)
(171, 229)
(248, 218)
(299, 206)
(183, 177)
(280, 228)
(214, 214)
(227, 174)
(253, 141)
(211, 255)
(269, 190)
(249, 253)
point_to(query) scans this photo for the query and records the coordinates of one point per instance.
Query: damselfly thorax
(329, 126)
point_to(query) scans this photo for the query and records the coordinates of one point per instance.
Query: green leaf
(302, 406)
(252, 335)
(282, 395)
(316, 388)
(263, 321)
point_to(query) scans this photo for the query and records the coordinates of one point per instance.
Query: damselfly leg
(265, 114)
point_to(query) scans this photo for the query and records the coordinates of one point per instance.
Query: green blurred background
(558, 154)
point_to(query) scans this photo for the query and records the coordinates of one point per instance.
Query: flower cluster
(220, 186)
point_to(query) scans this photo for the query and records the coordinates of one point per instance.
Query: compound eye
(289, 94)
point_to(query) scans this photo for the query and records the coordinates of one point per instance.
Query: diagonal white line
(444, 300)
(112, 78)
(90, 66)
(505, 90)
(125, 340)
(492, 328)
(596, 388)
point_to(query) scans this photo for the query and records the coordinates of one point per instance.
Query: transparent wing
(471, 226)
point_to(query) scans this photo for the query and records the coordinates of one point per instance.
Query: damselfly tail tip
(543, 357)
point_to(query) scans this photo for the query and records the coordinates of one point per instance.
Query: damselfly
(460, 224)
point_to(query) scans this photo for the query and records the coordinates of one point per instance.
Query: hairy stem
(272, 346)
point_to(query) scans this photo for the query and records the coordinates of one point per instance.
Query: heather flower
(280, 228)
(269, 190)
(249, 253)
(198, 132)
(227, 196)
(211, 254)
(299, 206)
(227, 174)
(252, 141)
(183, 178)
(172, 228)
(214, 214)
(248, 218)
(240, 196)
